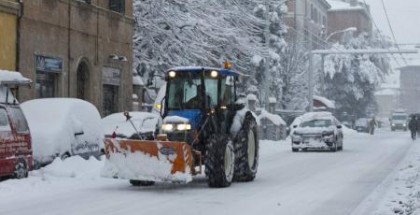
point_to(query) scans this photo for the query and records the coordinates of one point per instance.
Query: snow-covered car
(362, 125)
(63, 127)
(317, 130)
(146, 124)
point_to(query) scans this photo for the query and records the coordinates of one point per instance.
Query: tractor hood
(194, 117)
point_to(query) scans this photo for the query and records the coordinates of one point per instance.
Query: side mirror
(339, 126)
(294, 126)
(127, 115)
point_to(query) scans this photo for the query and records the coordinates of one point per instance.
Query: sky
(404, 17)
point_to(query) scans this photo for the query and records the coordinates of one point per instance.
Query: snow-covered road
(287, 183)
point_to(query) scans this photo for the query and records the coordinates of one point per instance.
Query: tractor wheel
(220, 161)
(21, 169)
(138, 183)
(246, 151)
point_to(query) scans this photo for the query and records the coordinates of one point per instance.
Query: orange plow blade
(160, 161)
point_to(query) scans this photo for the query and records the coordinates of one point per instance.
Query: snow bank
(73, 167)
(144, 122)
(53, 123)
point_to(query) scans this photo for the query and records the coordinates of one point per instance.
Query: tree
(351, 80)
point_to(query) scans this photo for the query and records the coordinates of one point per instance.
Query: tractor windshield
(188, 93)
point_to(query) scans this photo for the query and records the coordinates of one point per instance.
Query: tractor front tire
(219, 161)
(246, 151)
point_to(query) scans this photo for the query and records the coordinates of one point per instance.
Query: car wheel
(21, 169)
(295, 150)
(139, 183)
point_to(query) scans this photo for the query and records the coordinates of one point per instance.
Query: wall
(78, 32)
(9, 11)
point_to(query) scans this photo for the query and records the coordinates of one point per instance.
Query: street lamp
(351, 29)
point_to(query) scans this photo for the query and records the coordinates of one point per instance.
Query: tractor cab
(192, 93)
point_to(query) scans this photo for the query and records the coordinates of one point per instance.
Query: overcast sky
(404, 17)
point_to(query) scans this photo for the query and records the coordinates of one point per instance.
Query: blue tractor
(203, 125)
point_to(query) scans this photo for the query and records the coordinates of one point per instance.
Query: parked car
(63, 127)
(317, 130)
(15, 138)
(146, 124)
(399, 121)
(362, 125)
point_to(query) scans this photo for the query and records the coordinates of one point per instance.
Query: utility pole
(356, 51)
(267, 58)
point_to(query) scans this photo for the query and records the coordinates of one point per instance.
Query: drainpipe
(68, 49)
(19, 17)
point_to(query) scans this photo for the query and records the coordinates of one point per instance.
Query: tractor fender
(239, 118)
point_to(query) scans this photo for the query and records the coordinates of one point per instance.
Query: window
(45, 84)
(4, 121)
(19, 120)
(117, 5)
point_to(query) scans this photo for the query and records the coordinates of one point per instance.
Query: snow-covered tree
(207, 33)
(351, 80)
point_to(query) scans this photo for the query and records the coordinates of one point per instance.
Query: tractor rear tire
(139, 183)
(246, 151)
(219, 161)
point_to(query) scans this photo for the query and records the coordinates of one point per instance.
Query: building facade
(9, 13)
(307, 20)
(80, 49)
(410, 88)
(345, 14)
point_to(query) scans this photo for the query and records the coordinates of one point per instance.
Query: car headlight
(167, 127)
(183, 127)
(393, 124)
(296, 137)
(404, 125)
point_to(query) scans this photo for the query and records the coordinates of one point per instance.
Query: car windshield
(399, 117)
(317, 123)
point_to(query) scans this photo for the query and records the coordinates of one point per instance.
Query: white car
(63, 127)
(145, 124)
(317, 130)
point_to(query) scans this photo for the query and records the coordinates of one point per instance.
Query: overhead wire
(392, 30)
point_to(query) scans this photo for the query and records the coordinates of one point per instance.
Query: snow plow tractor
(204, 130)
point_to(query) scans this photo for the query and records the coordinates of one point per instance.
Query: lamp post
(351, 29)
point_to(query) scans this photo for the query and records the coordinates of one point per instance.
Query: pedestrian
(412, 125)
(418, 123)
(372, 125)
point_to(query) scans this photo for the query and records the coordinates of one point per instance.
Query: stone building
(80, 49)
(345, 14)
(9, 12)
(307, 20)
(410, 88)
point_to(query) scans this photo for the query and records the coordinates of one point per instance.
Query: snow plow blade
(159, 161)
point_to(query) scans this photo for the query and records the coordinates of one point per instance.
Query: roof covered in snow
(137, 80)
(12, 77)
(276, 119)
(341, 5)
(328, 103)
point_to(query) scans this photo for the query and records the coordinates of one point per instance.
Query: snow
(330, 104)
(53, 123)
(175, 119)
(144, 122)
(386, 92)
(251, 97)
(276, 119)
(272, 100)
(12, 76)
(137, 80)
(340, 5)
(326, 183)
(311, 116)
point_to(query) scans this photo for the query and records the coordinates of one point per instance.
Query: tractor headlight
(167, 127)
(176, 127)
(183, 127)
